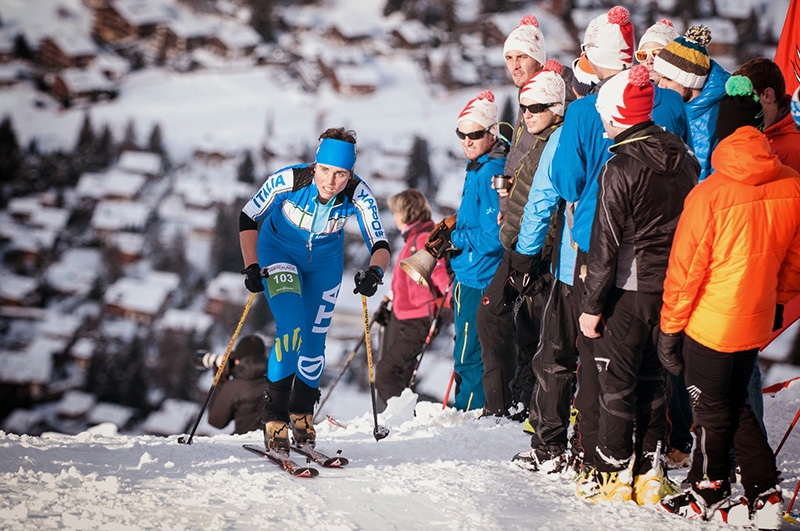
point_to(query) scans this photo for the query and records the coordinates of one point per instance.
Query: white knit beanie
(482, 110)
(546, 86)
(527, 38)
(662, 32)
(608, 39)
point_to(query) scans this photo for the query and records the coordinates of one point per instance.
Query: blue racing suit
(301, 243)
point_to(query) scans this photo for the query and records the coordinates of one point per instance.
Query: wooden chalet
(66, 51)
(124, 20)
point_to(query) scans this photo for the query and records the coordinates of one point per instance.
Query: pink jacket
(409, 299)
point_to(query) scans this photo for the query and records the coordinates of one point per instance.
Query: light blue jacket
(702, 112)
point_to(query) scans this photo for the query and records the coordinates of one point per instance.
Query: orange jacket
(784, 139)
(736, 250)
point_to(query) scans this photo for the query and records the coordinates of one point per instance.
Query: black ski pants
(717, 384)
(508, 331)
(402, 342)
(632, 397)
(554, 365)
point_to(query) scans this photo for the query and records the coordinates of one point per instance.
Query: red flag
(787, 55)
(791, 313)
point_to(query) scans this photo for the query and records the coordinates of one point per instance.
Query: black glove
(669, 353)
(367, 281)
(383, 314)
(252, 279)
(524, 274)
(778, 323)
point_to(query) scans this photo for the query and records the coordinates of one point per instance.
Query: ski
(287, 464)
(325, 460)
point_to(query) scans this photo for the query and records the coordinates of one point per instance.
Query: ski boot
(542, 459)
(302, 425)
(276, 437)
(702, 501)
(651, 484)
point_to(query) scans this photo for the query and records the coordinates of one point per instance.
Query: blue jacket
(476, 232)
(702, 112)
(583, 150)
(287, 201)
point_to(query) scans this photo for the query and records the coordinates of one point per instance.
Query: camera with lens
(208, 360)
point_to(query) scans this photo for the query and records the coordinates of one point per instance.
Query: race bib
(282, 278)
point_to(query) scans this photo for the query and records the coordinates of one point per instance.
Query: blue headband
(337, 153)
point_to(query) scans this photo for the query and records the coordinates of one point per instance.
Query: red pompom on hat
(482, 110)
(627, 98)
(528, 39)
(608, 41)
(546, 86)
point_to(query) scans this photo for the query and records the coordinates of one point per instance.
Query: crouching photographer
(240, 392)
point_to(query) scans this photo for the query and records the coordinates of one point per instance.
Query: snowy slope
(436, 470)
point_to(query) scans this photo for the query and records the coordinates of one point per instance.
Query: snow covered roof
(60, 325)
(116, 182)
(73, 44)
(31, 240)
(356, 76)
(75, 271)
(22, 420)
(142, 12)
(49, 218)
(33, 365)
(80, 80)
(83, 348)
(17, 287)
(146, 295)
(110, 215)
(130, 243)
(143, 162)
(237, 36)
(75, 403)
(186, 320)
(227, 286)
(116, 414)
(173, 417)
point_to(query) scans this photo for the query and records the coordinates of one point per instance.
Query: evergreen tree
(225, 252)
(156, 141)
(86, 137)
(418, 171)
(10, 156)
(104, 148)
(392, 6)
(129, 138)
(246, 169)
(261, 18)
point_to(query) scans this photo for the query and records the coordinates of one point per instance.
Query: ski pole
(449, 385)
(431, 331)
(182, 439)
(788, 431)
(379, 431)
(350, 358)
(787, 516)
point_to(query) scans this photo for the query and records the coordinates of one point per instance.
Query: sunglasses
(641, 55)
(475, 135)
(536, 108)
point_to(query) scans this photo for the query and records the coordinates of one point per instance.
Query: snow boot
(700, 501)
(650, 484)
(542, 459)
(768, 509)
(302, 425)
(276, 437)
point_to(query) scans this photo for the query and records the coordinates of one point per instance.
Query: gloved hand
(668, 352)
(253, 278)
(778, 323)
(367, 281)
(524, 274)
(438, 241)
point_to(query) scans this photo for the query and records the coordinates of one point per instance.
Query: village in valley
(119, 253)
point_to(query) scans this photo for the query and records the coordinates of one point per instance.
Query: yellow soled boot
(276, 437)
(303, 428)
(649, 488)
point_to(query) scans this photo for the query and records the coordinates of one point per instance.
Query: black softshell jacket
(640, 198)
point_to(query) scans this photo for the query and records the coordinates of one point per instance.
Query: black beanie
(249, 346)
(738, 107)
